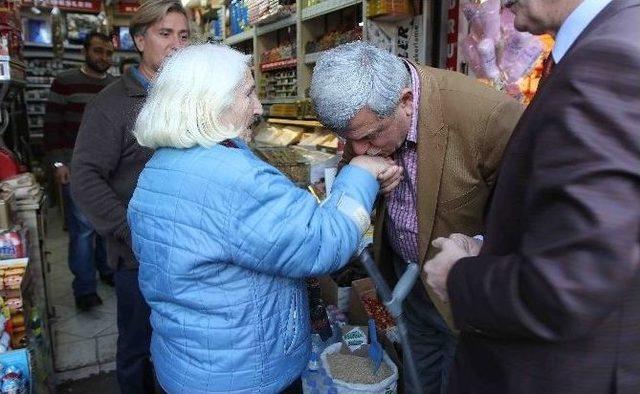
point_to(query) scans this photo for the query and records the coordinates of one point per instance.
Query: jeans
(432, 342)
(86, 248)
(133, 357)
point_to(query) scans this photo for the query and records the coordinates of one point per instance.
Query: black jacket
(552, 304)
(106, 164)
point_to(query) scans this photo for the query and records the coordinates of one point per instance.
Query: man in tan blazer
(448, 132)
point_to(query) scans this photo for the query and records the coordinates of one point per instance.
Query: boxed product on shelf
(13, 244)
(279, 84)
(333, 39)
(14, 277)
(262, 12)
(15, 371)
(389, 10)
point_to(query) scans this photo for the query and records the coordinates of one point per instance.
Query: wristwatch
(58, 164)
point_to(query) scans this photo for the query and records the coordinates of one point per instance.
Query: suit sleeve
(580, 249)
(96, 155)
(498, 130)
(280, 229)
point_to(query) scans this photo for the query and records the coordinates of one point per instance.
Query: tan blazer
(463, 127)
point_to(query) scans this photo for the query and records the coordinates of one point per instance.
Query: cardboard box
(360, 289)
(332, 294)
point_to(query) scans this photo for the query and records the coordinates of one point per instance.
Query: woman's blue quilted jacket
(224, 240)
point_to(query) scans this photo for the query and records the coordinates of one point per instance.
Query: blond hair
(194, 88)
(152, 11)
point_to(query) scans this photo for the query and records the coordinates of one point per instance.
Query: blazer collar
(431, 148)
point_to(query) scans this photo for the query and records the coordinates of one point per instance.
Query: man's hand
(390, 178)
(437, 269)
(470, 245)
(62, 175)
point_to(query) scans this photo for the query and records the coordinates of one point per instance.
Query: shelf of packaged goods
(281, 24)
(326, 7)
(29, 44)
(38, 85)
(295, 122)
(281, 100)
(37, 54)
(282, 64)
(311, 58)
(240, 37)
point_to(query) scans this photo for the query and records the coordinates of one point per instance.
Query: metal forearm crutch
(393, 301)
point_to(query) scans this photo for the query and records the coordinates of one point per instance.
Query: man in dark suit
(552, 302)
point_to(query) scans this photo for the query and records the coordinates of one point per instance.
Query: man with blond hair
(105, 167)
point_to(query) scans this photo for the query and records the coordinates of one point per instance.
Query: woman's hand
(383, 169)
(390, 178)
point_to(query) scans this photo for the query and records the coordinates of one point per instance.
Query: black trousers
(432, 342)
(133, 358)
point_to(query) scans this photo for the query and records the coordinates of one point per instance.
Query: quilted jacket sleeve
(280, 229)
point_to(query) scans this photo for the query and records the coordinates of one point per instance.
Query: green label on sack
(354, 339)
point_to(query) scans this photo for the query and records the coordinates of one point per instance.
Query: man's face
(162, 39)
(245, 107)
(540, 16)
(98, 56)
(372, 135)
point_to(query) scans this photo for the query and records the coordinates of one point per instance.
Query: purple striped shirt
(402, 218)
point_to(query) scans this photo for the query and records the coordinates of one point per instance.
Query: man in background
(70, 92)
(551, 304)
(106, 164)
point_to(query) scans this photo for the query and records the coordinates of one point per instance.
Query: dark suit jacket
(552, 304)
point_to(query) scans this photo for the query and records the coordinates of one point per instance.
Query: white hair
(353, 76)
(194, 87)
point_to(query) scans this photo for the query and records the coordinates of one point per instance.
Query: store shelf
(326, 7)
(295, 122)
(38, 85)
(36, 100)
(240, 37)
(287, 100)
(37, 45)
(312, 57)
(281, 24)
(73, 56)
(38, 54)
(289, 63)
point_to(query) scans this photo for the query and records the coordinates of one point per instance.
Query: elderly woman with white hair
(224, 239)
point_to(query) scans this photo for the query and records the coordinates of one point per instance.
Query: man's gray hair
(353, 76)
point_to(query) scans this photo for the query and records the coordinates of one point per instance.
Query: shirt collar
(575, 24)
(140, 77)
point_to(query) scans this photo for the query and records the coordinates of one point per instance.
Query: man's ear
(138, 39)
(406, 101)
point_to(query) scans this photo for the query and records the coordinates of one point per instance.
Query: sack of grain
(354, 369)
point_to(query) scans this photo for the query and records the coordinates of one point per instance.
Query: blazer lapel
(431, 148)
